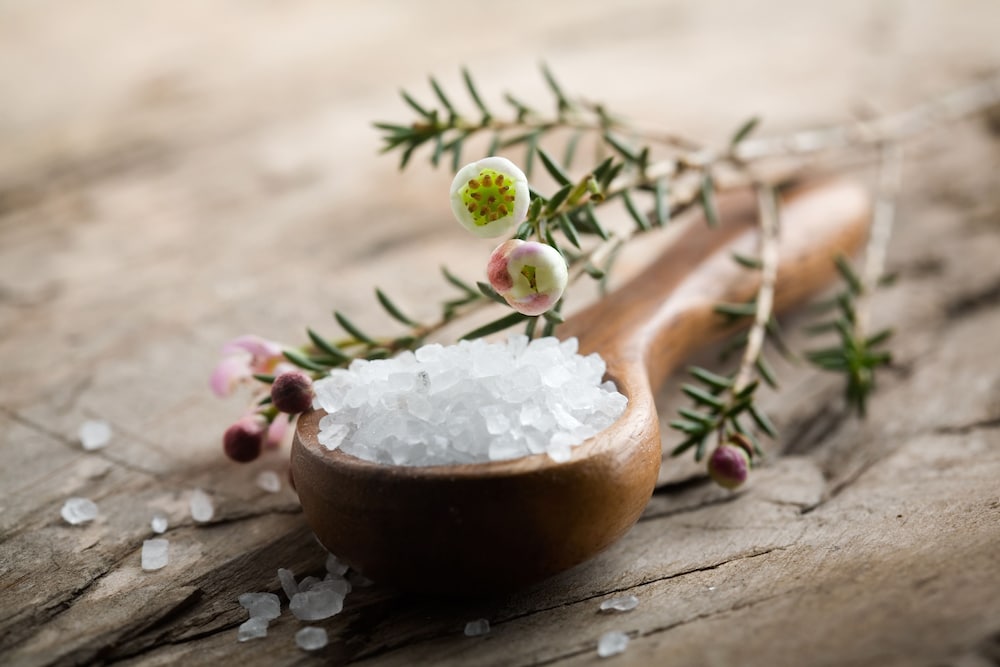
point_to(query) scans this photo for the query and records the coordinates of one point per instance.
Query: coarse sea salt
(202, 509)
(288, 584)
(316, 604)
(624, 603)
(155, 554)
(476, 628)
(468, 403)
(159, 523)
(261, 605)
(311, 638)
(612, 643)
(335, 566)
(269, 481)
(94, 434)
(314, 599)
(78, 510)
(254, 628)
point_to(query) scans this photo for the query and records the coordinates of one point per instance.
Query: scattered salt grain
(202, 508)
(467, 403)
(261, 605)
(159, 523)
(255, 628)
(269, 481)
(155, 554)
(307, 583)
(334, 583)
(316, 604)
(625, 603)
(78, 510)
(612, 643)
(94, 434)
(311, 639)
(287, 579)
(476, 628)
(334, 566)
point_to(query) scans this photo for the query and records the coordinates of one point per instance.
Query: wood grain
(175, 174)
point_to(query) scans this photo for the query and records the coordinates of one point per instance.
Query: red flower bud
(243, 440)
(292, 392)
(729, 465)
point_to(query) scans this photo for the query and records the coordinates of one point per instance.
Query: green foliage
(855, 355)
(718, 409)
(570, 218)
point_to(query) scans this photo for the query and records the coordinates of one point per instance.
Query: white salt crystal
(155, 553)
(94, 434)
(478, 627)
(560, 453)
(335, 566)
(315, 605)
(159, 523)
(612, 643)
(311, 638)
(334, 435)
(78, 510)
(307, 583)
(202, 508)
(625, 603)
(467, 403)
(334, 583)
(253, 629)
(261, 605)
(269, 481)
(288, 584)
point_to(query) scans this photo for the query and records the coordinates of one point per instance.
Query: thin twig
(687, 169)
(890, 128)
(770, 230)
(889, 183)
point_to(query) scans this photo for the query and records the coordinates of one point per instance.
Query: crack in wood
(969, 304)
(710, 502)
(409, 642)
(665, 628)
(71, 444)
(965, 429)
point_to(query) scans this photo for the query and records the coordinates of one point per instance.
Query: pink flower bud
(292, 392)
(729, 465)
(529, 276)
(490, 197)
(243, 440)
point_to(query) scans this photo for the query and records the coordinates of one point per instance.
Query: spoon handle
(662, 315)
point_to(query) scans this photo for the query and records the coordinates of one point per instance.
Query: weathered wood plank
(175, 174)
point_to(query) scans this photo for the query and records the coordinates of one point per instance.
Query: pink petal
(254, 345)
(277, 430)
(227, 374)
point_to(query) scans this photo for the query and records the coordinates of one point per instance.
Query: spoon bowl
(494, 527)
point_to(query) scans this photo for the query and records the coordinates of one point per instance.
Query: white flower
(529, 276)
(490, 197)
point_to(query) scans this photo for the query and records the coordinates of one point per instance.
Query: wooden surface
(174, 174)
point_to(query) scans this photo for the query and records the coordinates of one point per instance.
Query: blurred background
(175, 173)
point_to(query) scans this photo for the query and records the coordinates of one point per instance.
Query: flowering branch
(556, 239)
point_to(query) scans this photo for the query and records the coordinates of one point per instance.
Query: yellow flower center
(489, 197)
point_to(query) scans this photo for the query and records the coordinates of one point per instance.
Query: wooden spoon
(492, 527)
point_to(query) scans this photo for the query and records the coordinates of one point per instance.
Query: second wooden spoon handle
(660, 316)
